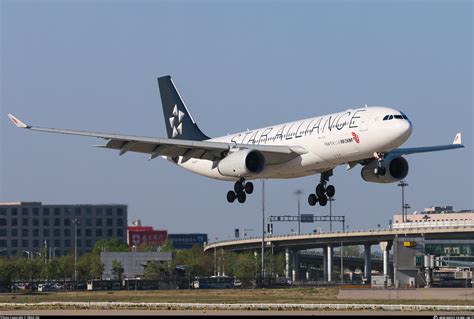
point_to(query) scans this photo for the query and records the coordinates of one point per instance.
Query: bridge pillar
(385, 246)
(287, 263)
(325, 264)
(329, 262)
(296, 266)
(368, 265)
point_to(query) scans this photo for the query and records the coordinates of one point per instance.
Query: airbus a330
(369, 136)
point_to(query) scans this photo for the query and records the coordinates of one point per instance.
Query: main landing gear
(241, 189)
(323, 192)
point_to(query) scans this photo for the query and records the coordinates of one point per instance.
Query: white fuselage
(329, 140)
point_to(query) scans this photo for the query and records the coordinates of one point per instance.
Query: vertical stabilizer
(178, 120)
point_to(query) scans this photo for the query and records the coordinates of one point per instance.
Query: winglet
(457, 139)
(17, 122)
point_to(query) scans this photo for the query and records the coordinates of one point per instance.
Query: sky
(92, 65)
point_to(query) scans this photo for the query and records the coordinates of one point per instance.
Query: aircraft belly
(304, 165)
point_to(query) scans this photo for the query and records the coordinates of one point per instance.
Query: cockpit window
(396, 116)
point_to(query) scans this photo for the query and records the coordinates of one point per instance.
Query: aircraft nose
(405, 129)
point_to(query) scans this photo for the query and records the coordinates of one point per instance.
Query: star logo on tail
(176, 121)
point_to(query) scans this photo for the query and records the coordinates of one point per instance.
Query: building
(435, 215)
(133, 263)
(187, 241)
(28, 227)
(409, 254)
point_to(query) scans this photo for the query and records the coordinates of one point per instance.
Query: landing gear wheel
(238, 187)
(330, 191)
(312, 199)
(231, 196)
(380, 171)
(248, 187)
(320, 190)
(241, 197)
(323, 200)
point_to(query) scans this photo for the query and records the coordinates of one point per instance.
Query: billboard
(139, 236)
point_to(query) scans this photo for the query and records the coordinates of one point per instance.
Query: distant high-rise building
(27, 227)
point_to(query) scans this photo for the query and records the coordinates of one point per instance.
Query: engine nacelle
(242, 163)
(396, 169)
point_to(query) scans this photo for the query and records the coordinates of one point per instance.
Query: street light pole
(403, 184)
(27, 253)
(330, 199)
(342, 264)
(75, 221)
(263, 231)
(298, 193)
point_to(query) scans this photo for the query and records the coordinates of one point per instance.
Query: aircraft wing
(210, 150)
(457, 143)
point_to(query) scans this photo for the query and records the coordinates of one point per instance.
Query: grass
(293, 295)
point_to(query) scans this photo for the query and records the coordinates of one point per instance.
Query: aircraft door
(364, 122)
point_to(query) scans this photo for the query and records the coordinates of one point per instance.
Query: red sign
(139, 236)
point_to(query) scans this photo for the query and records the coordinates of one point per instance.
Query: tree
(246, 267)
(11, 269)
(33, 269)
(113, 245)
(275, 264)
(230, 260)
(352, 251)
(52, 270)
(117, 269)
(167, 246)
(89, 266)
(155, 270)
(197, 263)
(66, 267)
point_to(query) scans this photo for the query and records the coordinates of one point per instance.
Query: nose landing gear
(323, 192)
(241, 189)
(380, 170)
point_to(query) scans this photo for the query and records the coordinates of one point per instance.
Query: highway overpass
(292, 244)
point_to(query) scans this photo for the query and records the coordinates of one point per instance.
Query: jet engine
(242, 163)
(396, 169)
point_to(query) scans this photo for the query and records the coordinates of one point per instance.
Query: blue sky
(92, 65)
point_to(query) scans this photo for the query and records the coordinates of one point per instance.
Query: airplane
(369, 136)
